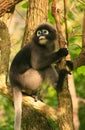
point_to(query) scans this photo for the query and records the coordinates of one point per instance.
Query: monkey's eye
(45, 31)
(38, 33)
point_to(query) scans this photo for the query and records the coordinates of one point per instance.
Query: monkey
(33, 65)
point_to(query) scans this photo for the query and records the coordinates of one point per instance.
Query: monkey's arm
(21, 61)
(43, 61)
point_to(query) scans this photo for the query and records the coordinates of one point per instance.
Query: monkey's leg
(62, 75)
(69, 64)
(51, 76)
(31, 81)
(18, 107)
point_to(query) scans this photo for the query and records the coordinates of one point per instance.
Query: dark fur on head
(52, 32)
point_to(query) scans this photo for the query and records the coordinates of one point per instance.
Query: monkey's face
(44, 34)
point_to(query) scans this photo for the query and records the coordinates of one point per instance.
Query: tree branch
(80, 60)
(65, 18)
(64, 97)
(44, 109)
(7, 5)
(29, 102)
(56, 15)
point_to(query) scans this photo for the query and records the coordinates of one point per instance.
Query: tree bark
(34, 120)
(7, 5)
(64, 100)
(74, 101)
(4, 47)
(37, 13)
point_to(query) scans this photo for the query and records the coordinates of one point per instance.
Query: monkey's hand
(62, 52)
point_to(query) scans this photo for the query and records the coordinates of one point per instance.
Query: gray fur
(33, 65)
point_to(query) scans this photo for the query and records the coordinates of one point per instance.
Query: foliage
(7, 113)
(82, 116)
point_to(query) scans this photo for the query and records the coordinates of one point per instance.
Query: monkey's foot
(35, 98)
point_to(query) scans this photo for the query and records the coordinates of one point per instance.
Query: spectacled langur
(33, 64)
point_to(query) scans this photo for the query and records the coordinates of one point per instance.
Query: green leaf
(81, 70)
(25, 5)
(50, 17)
(72, 39)
(71, 16)
(74, 50)
(50, 1)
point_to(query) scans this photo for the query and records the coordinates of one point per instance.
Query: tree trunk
(4, 47)
(64, 97)
(64, 100)
(33, 120)
(36, 14)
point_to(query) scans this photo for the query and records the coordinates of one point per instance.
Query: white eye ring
(38, 33)
(45, 31)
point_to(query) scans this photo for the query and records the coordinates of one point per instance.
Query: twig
(65, 17)
(80, 60)
(83, 31)
(81, 2)
(56, 15)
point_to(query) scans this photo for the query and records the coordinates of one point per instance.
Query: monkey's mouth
(42, 40)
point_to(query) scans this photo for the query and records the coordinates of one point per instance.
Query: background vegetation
(75, 10)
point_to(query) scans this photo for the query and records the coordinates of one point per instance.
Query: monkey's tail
(18, 107)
